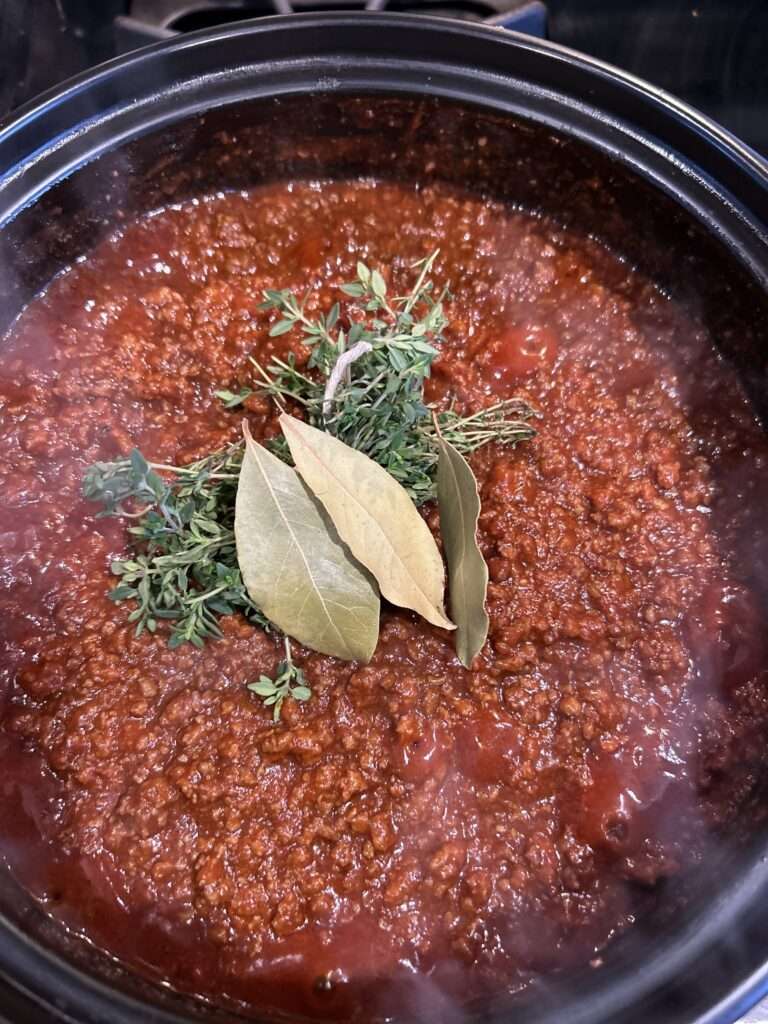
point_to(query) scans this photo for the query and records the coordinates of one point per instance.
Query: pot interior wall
(413, 139)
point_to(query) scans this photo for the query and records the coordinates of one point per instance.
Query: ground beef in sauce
(471, 829)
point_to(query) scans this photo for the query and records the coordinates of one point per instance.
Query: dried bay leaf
(459, 504)
(374, 517)
(294, 566)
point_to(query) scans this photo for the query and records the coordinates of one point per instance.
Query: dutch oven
(593, 147)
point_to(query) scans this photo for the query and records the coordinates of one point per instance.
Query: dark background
(712, 53)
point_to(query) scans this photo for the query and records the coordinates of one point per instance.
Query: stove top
(148, 20)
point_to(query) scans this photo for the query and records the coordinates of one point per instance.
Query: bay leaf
(374, 517)
(294, 565)
(459, 504)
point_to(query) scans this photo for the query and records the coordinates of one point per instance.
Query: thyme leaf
(230, 400)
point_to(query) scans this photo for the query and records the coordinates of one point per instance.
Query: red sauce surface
(461, 831)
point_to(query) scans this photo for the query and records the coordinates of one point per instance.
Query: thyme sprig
(185, 567)
(398, 435)
(289, 681)
(378, 405)
(398, 329)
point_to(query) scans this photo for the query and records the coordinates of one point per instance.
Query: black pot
(595, 148)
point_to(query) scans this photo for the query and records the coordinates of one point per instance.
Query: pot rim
(39, 132)
(46, 100)
(646, 128)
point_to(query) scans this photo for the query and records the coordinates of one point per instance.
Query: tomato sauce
(455, 831)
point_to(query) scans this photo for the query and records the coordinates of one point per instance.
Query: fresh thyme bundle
(185, 567)
(363, 385)
(367, 388)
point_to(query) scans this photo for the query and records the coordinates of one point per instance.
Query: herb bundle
(185, 567)
(363, 387)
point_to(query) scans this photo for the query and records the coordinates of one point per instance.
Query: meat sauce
(456, 831)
